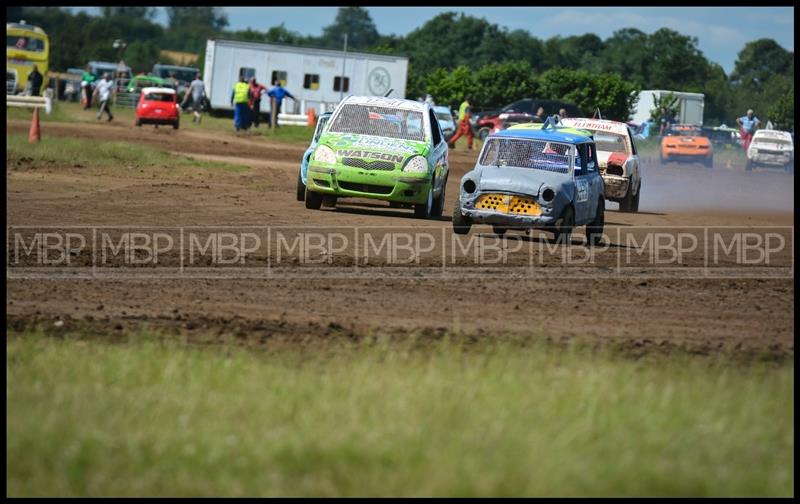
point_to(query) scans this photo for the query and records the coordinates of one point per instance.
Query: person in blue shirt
(278, 92)
(749, 124)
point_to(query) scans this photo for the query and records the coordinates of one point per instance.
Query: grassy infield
(155, 416)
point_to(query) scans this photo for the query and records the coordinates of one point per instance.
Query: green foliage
(669, 102)
(781, 113)
(588, 91)
(356, 23)
(665, 59)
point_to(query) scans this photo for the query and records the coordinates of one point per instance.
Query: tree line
(453, 54)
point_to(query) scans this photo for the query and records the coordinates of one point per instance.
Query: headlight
(416, 164)
(548, 195)
(324, 154)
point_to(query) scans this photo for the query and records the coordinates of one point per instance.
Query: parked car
(158, 105)
(489, 121)
(685, 142)
(534, 176)
(302, 176)
(771, 148)
(380, 148)
(618, 160)
(446, 121)
(175, 76)
(140, 82)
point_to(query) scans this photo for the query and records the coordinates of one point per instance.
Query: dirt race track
(640, 306)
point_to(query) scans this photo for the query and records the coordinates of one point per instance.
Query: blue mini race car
(302, 177)
(534, 176)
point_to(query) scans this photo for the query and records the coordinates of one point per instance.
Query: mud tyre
(424, 210)
(562, 231)
(461, 223)
(313, 200)
(594, 230)
(301, 189)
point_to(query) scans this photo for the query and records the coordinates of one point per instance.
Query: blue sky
(722, 31)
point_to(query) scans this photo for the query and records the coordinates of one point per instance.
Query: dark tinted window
(435, 131)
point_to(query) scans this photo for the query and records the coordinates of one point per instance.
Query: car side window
(633, 144)
(579, 157)
(435, 132)
(591, 158)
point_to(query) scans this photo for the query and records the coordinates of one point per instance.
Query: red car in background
(493, 120)
(158, 105)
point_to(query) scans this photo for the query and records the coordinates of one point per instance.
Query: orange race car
(685, 142)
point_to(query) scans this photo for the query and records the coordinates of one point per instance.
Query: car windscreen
(535, 154)
(379, 121)
(162, 97)
(443, 116)
(609, 142)
(684, 131)
(771, 140)
(24, 43)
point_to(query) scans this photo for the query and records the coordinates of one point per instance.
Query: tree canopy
(454, 53)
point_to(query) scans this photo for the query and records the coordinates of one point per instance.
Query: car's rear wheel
(562, 232)
(709, 162)
(594, 230)
(138, 123)
(461, 223)
(483, 133)
(499, 230)
(313, 200)
(301, 188)
(423, 210)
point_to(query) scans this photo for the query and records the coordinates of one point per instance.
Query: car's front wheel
(138, 123)
(438, 203)
(499, 230)
(483, 133)
(748, 165)
(423, 210)
(461, 223)
(313, 200)
(301, 188)
(562, 232)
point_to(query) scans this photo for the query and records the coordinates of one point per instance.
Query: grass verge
(73, 112)
(152, 416)
(124, 158)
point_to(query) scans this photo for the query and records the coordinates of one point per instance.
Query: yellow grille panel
(508, 204)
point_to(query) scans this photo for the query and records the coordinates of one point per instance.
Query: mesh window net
(379, 121)
(535, 154)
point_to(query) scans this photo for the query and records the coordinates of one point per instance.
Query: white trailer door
(692, 111)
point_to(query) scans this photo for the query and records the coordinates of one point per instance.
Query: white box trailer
(313, 76)
(691, 106)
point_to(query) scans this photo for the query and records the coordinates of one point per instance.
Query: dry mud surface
(530, 291)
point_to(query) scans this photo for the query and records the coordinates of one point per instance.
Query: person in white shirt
(104, 90)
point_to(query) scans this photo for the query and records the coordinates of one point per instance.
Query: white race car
(618, 160)
(771, 148)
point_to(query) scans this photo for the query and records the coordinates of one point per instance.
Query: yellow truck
(26, 45)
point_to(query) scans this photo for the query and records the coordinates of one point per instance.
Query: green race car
(380, 148)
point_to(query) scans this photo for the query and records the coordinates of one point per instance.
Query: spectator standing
(464, 127)
(35, 81)
(197, 92)
(540, 114)
(256, 92)
(749, 124)
(664, 121)
(104, 90)
(239, 99)
(87, 87)
(278, 92)
(562, 114)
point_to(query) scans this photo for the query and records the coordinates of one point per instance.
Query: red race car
(158, 105)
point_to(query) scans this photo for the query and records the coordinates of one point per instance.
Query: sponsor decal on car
(394, 158)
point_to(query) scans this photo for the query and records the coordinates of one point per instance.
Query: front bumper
(616, 186)
(390, 185)
(469, 208)
(770, 159)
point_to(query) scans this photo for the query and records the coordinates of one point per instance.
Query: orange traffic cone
(312, 118)
(35, 135)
